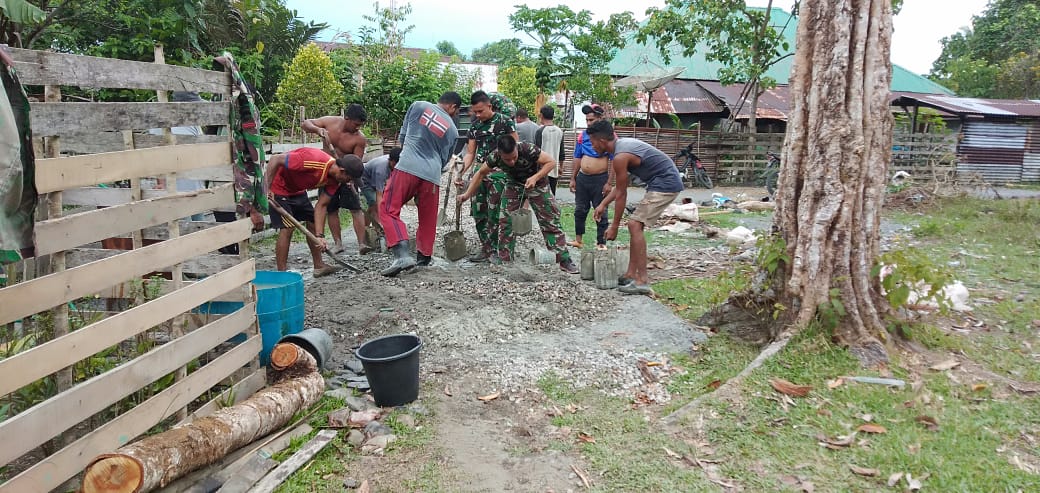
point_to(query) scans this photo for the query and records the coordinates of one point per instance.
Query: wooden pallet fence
(91, 148)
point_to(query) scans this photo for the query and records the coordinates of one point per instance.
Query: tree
(820, 263)
(447, 48)
(504, 53)
(569, 44)
(309, 82)
(993, 58)
(518, 83)
(741, 38)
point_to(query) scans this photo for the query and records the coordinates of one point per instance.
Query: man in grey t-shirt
(373, 181)
(662, 187)
(525, 128)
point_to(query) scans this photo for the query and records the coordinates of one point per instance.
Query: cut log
(157, 460)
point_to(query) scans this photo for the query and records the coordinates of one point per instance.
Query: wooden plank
(30, 297)
(68, 232)
(72, 118)
(30, 428)
(93, 143)
(69, 461)
(46, 67)
(40, 361)
(91, 169)
(221, 173)
(296, 461)
(201, 264)
(245, 472)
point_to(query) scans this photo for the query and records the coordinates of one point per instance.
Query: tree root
(728, 388)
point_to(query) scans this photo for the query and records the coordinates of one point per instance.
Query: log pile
(155, 461)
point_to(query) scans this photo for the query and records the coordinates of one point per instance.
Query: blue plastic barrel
(279, 307)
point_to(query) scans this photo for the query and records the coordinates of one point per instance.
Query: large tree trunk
(835, 159)
(831, 186)
(157, 460)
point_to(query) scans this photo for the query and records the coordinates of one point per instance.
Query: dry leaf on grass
(930, 423)
(447, 391)
(979, 387)
(864, 471)
(788, 388)
(894, 479)
(946, 365)
(837, 382)
(490, 397)
(585, 437)
(671, 454)
(913, 484)
(583, 475)
(838, 443)
(823, 412)
(871, 428)
(714, 384)
(365, 487)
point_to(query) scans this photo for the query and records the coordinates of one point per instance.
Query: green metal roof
(629, 61)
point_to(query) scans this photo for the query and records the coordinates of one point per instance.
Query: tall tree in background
(999, 57)
(743, 39)
(504, 53)
(819, 263)
(447, 48)
(570, 45)
(308, 82)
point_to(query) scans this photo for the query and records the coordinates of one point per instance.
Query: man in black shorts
(288, 177)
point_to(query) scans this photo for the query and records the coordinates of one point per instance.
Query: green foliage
(21, 12)
(309, 82)
(772, 253)
(447, 48)
(518, 83)
(908, 270)
(998, 57)
(570, 44)
(504, 53)
(830, 312)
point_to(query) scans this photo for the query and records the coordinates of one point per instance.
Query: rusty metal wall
(994, 151)
(1031, 159)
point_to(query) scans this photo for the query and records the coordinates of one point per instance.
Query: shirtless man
(590, 181)
(342, 136)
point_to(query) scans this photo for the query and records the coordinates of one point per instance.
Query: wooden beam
(96, 142)
(207, 264)
(47, 67)
(67, 232)
(91, 169)
(28, 366)
(30, 297)
(51, 472)
(72, 118)
(294, 462)
(28, 429)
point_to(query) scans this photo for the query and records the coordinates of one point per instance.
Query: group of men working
(507, 169)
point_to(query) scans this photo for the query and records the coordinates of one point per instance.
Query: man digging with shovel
(527, 167)
(428, 135)
(288, 177)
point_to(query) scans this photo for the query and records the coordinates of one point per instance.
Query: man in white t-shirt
(549, 138)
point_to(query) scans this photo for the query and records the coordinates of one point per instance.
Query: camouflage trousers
(486, 211)
(545, 211)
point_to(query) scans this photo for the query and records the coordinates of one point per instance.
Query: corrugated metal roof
(681, 97)
(773, 104)
(975, 106)
(632, 56)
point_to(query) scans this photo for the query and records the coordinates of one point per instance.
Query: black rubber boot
(402, 260)
(423, 260)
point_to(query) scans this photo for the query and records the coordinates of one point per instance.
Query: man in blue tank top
(658, 171)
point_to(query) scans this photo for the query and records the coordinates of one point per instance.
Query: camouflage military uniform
(541, 199)
(485, 206)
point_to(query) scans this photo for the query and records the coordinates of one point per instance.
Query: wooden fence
(85, 375)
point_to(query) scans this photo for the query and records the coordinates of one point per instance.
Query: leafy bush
(309, 82)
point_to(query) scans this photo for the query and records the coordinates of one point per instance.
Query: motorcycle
(691, 171)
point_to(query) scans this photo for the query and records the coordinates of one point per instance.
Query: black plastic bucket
(392, 366)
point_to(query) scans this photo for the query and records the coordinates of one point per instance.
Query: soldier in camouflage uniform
(527, 168)
(489, 122)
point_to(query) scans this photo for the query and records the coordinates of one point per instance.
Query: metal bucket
(541, 256)
(455, 245)
(588, 266)
(522, 220)
(314, 341)
(605, 270)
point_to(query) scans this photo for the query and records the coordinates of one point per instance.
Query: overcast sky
(915, 45)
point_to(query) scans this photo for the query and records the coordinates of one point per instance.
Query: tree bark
(157, 460)
(835, 158)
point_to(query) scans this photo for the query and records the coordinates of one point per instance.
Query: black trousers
(588, 193)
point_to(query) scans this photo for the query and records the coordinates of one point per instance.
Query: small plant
(907, 273)
(772, 252)
(830, 312)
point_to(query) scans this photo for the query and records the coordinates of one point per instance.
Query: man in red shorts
(288, 178)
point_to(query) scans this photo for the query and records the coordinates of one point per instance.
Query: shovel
(310, 236)
(455, 241)
(442, 217)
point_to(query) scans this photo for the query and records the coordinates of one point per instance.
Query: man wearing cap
(342, 136)
(288, 177)
(590, 181)
(658, 171)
